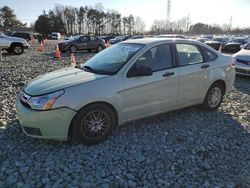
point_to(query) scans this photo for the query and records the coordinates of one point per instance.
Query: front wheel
(213, 97)
(93, 124)
(17, 49)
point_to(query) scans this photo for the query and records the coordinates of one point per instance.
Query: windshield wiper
(79, 67)
(87, 68)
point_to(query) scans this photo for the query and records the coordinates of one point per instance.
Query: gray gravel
(184, 148)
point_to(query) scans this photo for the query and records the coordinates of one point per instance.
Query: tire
(214, 97)
(88, 123)
(73, 49)
(17, 49)
(99, 48)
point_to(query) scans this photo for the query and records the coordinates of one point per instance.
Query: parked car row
(228, 44)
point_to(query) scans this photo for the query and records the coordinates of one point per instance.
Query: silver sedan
(130, 80)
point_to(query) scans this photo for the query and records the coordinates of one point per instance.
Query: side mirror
(140, 70)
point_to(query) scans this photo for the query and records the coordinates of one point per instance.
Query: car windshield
(247, 47)
(241, 41)
(110, 60)
(1, 34)
(218, 39)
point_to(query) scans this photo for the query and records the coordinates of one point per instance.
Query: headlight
(44, 102)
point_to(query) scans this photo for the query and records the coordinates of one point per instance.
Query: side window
(157, 58)
(92, 39)
(210, 56)
(84, 39)
(188, 54)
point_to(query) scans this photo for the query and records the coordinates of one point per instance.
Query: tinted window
(84, 39)
(247, 47)
(92, 38)
(157, 58)
(188, 54)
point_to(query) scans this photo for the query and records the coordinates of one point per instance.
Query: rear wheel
(17, 49)
(99, 48)
(213, 97)
(93, 124)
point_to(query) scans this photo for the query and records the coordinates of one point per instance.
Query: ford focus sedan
(128, 81)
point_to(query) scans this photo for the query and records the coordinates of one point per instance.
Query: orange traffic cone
(220, 48)
(41, 48)
(72, 59)
(57, 53)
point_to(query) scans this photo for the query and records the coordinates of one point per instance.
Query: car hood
(243, 55)
(58, 80)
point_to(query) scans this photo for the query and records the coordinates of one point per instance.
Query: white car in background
(55, 35)
(243, 60)
(13, 44)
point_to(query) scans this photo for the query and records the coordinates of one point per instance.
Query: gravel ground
(184, 148)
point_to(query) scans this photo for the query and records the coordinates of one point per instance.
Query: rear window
(209, 55)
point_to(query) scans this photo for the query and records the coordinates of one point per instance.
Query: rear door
(82, 43)
(92, 44)
(147, 95)
(193, 74)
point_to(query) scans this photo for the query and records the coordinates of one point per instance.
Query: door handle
(205, 66)
(167, 74)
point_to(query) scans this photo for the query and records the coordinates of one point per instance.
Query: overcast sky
(205, 11)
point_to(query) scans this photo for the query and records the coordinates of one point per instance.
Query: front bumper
(242, 69)
(52, 124)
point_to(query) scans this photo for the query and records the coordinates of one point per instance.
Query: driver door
(148, 95)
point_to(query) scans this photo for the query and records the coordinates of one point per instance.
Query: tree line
(96, 20)
(87, 19)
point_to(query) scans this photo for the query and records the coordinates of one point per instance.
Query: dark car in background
(82, 42)
(107, 37)
(118, 39)
(217, 42)
(21, 34)
(235, 45)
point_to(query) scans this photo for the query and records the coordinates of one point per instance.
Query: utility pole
(168, 13)
(188, 22)
(230, 24)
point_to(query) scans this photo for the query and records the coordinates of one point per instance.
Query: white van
(55, 35)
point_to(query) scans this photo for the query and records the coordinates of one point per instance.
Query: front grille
(242, 71)
(243, 61)
(32, 131)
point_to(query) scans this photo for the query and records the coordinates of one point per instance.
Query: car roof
(159, 40)
(153, 41)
